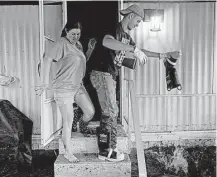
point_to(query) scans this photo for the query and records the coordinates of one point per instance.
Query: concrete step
(81, 143)
(90, 166)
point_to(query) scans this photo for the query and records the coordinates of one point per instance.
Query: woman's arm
(45, 73)
(88, 53)
(46, 70)
(91, 47)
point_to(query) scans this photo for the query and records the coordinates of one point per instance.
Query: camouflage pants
(106, 91)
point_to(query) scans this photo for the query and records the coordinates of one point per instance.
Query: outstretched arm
(174, 54)
(155, 54)
(151, 54)
(113, 44)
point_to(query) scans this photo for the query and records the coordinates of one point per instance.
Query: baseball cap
(135, 9)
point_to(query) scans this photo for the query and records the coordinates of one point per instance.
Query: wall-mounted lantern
(155, 17)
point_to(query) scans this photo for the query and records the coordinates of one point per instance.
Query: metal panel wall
(188, 27)
(19, 53)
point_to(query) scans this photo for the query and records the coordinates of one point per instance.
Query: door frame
(124, 122)
(42, 50)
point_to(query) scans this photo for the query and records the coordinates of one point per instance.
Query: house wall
(188, 27)
(19, 53)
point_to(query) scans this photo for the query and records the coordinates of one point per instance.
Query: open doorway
(96, 18)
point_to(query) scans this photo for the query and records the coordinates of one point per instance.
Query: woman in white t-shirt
(67, 85)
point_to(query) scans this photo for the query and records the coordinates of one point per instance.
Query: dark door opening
(96, 18)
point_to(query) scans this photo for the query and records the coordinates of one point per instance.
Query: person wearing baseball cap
(133, 9)
(116, 48)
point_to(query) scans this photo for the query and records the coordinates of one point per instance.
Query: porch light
(155, 23)
(155, 17)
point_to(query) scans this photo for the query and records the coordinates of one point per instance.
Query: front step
(90, 166)
(88, 144)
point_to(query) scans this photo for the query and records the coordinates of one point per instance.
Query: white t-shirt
(70, 66)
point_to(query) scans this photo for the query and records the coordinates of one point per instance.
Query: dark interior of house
(97, 18)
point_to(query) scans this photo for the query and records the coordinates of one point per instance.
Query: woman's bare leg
(84, 102)
(67, 113)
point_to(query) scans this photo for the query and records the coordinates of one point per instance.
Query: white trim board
(183, 138)
(178, 135)
(166, 1)
(189, 138)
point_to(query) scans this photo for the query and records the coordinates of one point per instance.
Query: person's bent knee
(114, 115)
(88, 115)
(91, 113)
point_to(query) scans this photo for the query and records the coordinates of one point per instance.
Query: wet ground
(42, 165)
(168, 161)
(178, 161)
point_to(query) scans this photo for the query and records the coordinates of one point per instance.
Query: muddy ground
(168, 161)
(178, 161)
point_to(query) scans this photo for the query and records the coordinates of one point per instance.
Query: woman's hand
(40, 89)
(92, 43)
(91, 46)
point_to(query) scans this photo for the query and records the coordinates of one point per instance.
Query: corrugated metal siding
(150, 78)
(19, 52)
(197, 40)
(153, 121)
(188, 27)
(191, 113)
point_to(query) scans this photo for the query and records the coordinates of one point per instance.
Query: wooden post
(41, 48)
(136, 123)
